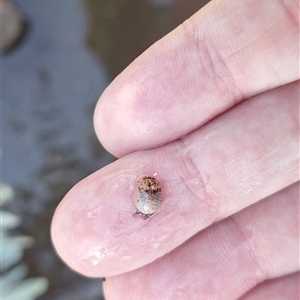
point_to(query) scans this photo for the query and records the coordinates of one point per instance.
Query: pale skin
(213, 109)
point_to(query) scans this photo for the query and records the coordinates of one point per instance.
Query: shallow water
(50, 85)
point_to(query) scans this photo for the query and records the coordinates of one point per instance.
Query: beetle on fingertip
(148, 197)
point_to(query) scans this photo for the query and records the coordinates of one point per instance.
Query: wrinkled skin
(213, 108)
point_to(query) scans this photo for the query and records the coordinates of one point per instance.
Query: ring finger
(225, 260)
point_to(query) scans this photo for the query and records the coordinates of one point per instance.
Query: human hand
(213, 109)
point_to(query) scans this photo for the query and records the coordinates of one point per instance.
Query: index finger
(225, 53)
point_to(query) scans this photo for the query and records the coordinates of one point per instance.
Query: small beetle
(148, 197)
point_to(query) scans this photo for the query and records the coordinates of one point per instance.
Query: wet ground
(50, 85)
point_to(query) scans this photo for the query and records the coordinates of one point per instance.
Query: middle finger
(235, 160)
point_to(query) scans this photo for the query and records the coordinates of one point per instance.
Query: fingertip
(112, 117)
(103, 126)
(64, 237)
(193, 74)
(126, 115)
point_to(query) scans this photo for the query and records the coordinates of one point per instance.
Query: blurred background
(57, 57)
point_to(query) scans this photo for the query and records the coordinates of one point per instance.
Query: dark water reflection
(50, 86)
(120, 30)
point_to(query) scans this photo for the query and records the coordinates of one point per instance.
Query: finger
(232, 162)
(225, 53)
(282, 288)
(224, 261)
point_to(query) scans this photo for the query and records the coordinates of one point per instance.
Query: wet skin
(213, 109)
